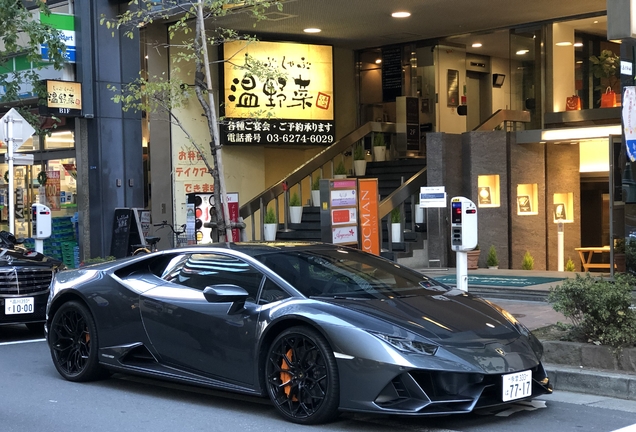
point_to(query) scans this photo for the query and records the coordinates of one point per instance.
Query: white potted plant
(359, 161)
(295, 209)
(340, 171)
(271, 224)
(315, 192)
(379, 148)
(396, 226)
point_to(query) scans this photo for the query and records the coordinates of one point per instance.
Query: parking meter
(40, 225)
(463, 224)
(463, 235)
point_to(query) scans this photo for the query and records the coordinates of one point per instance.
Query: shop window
(527, 199)
(563, 207)
(488, 190)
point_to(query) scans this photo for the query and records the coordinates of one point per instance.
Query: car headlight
(408, 345)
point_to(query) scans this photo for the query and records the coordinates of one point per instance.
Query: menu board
(339, 215)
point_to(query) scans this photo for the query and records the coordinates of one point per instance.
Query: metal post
(462, 271)
(10, 144)
(560, 246)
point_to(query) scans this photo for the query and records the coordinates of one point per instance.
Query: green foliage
(606, 66)
(600, 310)
(569, 265)
(270, 216)
(395, 215)
(340, 169)
(491, 260)
(619, 246)
(358, 152)
(630, 256)
(378, 140)
(294, 201)
(22, 34)
(528, 262)
(98, 260)
(315, 185)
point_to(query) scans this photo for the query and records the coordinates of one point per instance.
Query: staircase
(390, 176)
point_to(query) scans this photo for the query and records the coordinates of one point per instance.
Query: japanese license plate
(517, 385)
(13, 306)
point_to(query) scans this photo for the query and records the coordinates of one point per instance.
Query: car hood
(21, 258)
(453, 320)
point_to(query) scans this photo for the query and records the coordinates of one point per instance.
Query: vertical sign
(391, 73)
(629, 120)
(369, 216)
(53, 190)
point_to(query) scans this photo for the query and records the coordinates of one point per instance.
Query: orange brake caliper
(286, 376)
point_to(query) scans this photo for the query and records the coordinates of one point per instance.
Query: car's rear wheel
(302, 376)
(74, 344)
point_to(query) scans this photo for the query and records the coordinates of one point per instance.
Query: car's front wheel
(302, 376)
(73, 343)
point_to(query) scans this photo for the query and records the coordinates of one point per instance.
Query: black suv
(25, 279)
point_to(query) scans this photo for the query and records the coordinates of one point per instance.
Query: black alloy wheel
(302, 377)
(73, 343)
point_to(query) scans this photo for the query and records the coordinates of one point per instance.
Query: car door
(191, 333)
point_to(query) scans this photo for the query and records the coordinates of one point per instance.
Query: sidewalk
(523, 293)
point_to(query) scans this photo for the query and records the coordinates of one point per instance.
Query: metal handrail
(402, 193)
(503, 115)
(259, 202)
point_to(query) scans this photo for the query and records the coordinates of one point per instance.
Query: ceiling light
(563, 44)
(578, 44)
(401, 14)
(596, 22)
(378, 61)
(312, 30)
(477, 45)
(523, 51)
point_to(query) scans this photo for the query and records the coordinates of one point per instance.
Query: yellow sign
(64, 95)
(304, 91)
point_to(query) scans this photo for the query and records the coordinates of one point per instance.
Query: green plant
(492, 260)
(98, 260)
(600, 310)
(315, 185)
(358, 152)
(395, 215)
(606, 66)
(270, 216)
(340, 169)
(619, 246)
(294, 201)
(528, 261)
(569, 265)
(378, 140)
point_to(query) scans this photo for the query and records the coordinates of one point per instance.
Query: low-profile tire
(74, 344)
(302, 376)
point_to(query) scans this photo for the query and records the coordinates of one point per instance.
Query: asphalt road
(35, 398)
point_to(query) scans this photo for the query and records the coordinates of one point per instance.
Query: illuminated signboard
(64, 99)
(295, 107)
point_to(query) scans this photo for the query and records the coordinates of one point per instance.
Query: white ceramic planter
(396, 232)
(379, 153)
(419, 214)
(269, 232)
(295, 214)
(315, 198)
(340, 176)
(360, 167)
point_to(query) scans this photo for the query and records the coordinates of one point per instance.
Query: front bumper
(38, 314)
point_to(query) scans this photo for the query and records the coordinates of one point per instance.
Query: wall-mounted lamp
(498, 80)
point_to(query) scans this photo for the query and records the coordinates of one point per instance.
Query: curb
(592, 381)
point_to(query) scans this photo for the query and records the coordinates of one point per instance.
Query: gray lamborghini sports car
(317, 328)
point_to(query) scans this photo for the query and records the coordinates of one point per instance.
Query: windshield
(348, 273)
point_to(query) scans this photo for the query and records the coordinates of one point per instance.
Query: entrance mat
(490, 280)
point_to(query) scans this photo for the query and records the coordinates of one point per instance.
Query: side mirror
(225, 293)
